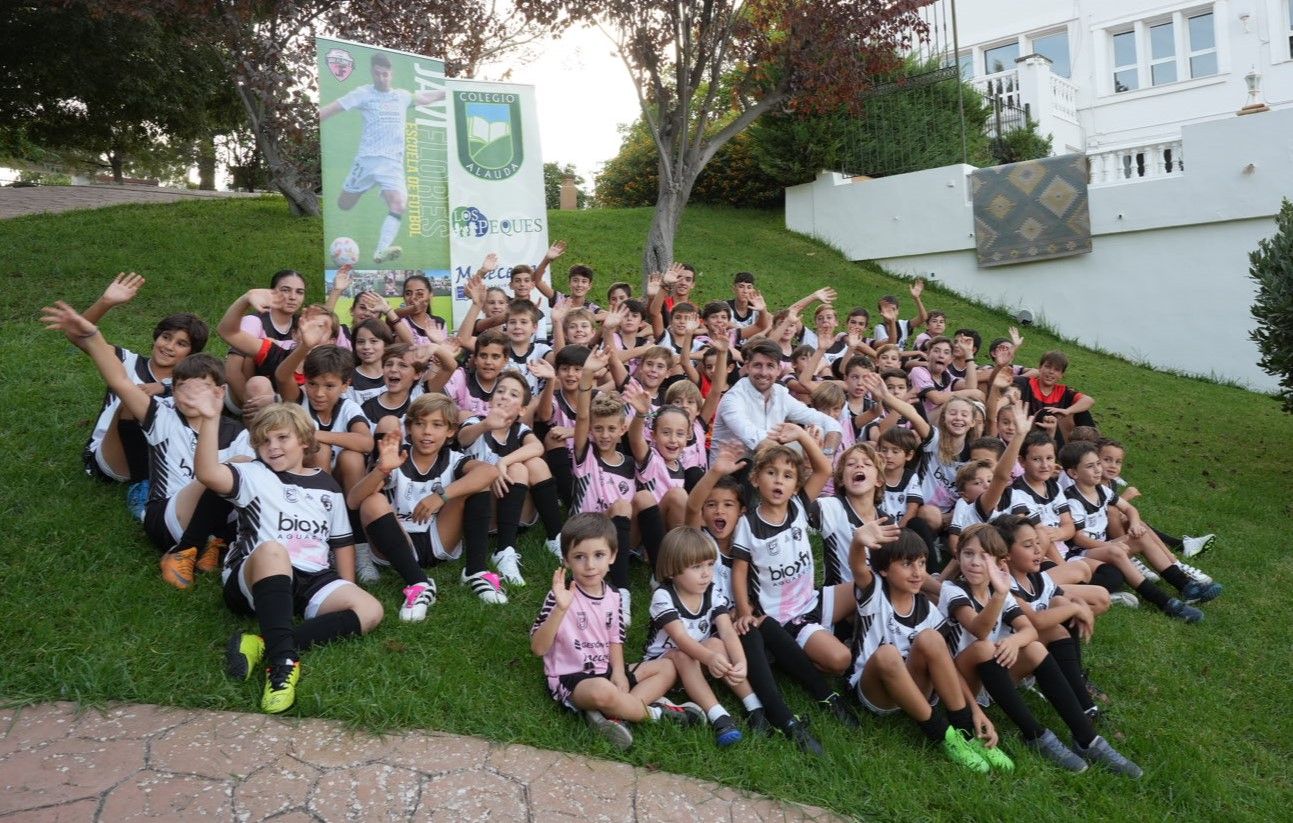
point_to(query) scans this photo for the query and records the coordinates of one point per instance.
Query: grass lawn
(1204, 709)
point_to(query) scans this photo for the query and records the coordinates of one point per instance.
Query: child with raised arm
(995, 645)
(659, 466)
(772, 568)
(522, 346)
(606, 478)
(554, 415)
(580, 637)
(901, 659)
(893, 329)
(181, 515)
(290, 519)
(501, 439)
(117, 450)
(692, 627)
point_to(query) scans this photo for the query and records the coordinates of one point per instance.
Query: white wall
(1167, 281)
(1147, 114)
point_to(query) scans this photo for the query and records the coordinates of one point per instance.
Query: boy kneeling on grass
(289, 518)
(580, 637)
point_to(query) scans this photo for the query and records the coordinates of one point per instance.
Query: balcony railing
(1064, 98)
(1003, 86)
(1149, 162)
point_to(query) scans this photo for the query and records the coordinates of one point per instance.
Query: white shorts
(108, 470)
(879, 712)
(429, 549)
(382, 172)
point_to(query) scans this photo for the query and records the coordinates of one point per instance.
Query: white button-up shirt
(746, 415)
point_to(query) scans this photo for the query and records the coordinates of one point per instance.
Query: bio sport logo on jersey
(469, 221)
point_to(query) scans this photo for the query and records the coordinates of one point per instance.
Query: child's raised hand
(671, 275)
(437, 334)
(315, 331)
(263, 299)
(720, 343)
(122, 289)
(498, 418)
(64, 318)
(689, 328)
(888, 311)
(917, 288)
(637, 397)
(728, 457)
(489, 263)
(562, 592)
(206, 400)
(389, 454)
(342, 280)
(785, 432)
(597, 360)
(475, 290)
(542, 369)
(877, 532)
(556, 250)
(1015, 339)
(873, 383)
(999, 577)
(1019, 412)
(653, 284)
(825, 294)
(757, 302)
(557, 436)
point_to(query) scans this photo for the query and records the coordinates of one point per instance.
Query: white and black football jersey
(1038, 592)
(304, 512)
(344, 413)
(666, 607)
(879, 624)
(139, 370)
(376, 408)
(836, 520)
(408, 485)
(967, 514)
(172, 443)
(1041, 509)
(489, 448)
(781, 573)
(896, 497)
(364, 388)
(1089, 517)
(956, 593)
(521, 363)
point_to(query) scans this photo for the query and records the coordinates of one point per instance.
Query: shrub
(1272, 268)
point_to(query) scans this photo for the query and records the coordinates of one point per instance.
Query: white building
(1124, 76)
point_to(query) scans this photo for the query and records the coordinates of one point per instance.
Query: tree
(1272, 268)
(693, 63)
(268, 47)
(553, 175)
(1020, 144)
(105, 90)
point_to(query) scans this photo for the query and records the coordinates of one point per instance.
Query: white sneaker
(1195, 574)
(1193, 546)
(508, 563)
(554, 546)
(365, 570)
(1124, 599)
(417, 598)
(626, 612)
(487, 587)
(1150, 574)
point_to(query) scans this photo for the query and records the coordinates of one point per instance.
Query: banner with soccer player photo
(383, 134)
(496, 198)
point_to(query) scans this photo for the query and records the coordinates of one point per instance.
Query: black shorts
(155, 524)
(562, 687)
(306, 586)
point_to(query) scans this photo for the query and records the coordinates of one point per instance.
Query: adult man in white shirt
(755, 405)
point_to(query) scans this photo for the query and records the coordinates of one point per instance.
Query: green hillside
(1204, 709)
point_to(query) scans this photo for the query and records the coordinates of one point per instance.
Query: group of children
(959, 560)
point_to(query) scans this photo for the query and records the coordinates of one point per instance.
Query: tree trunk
(118, 165)
(301, 199)
(658, 253)
(206, 163)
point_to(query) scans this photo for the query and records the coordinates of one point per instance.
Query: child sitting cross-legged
(579, 635)
(417, 498)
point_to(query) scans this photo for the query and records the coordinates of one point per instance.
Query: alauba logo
(489, 133)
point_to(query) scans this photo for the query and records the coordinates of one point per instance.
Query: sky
(583, 92)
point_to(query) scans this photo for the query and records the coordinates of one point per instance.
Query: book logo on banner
(489, 134)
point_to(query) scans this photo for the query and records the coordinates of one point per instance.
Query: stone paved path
(18, 201)
(137, 761)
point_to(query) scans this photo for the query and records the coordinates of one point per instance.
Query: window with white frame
(1055, 47)
(1000, 58)
(1164, 50)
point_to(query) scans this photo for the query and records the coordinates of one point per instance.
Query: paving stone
(592, 789)
(132, 721)
(30, 727)
(153, 796)
(281, 785)
(330, 745)
(664, 796)
(77, 811)
(435, 753)
(65, 770)
(219, 744)
(372, 792)
(525, 763)
(295, 816)
(464, 796)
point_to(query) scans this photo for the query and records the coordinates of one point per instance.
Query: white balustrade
(1003, 85)
(1127, 165)
(1064, 98)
